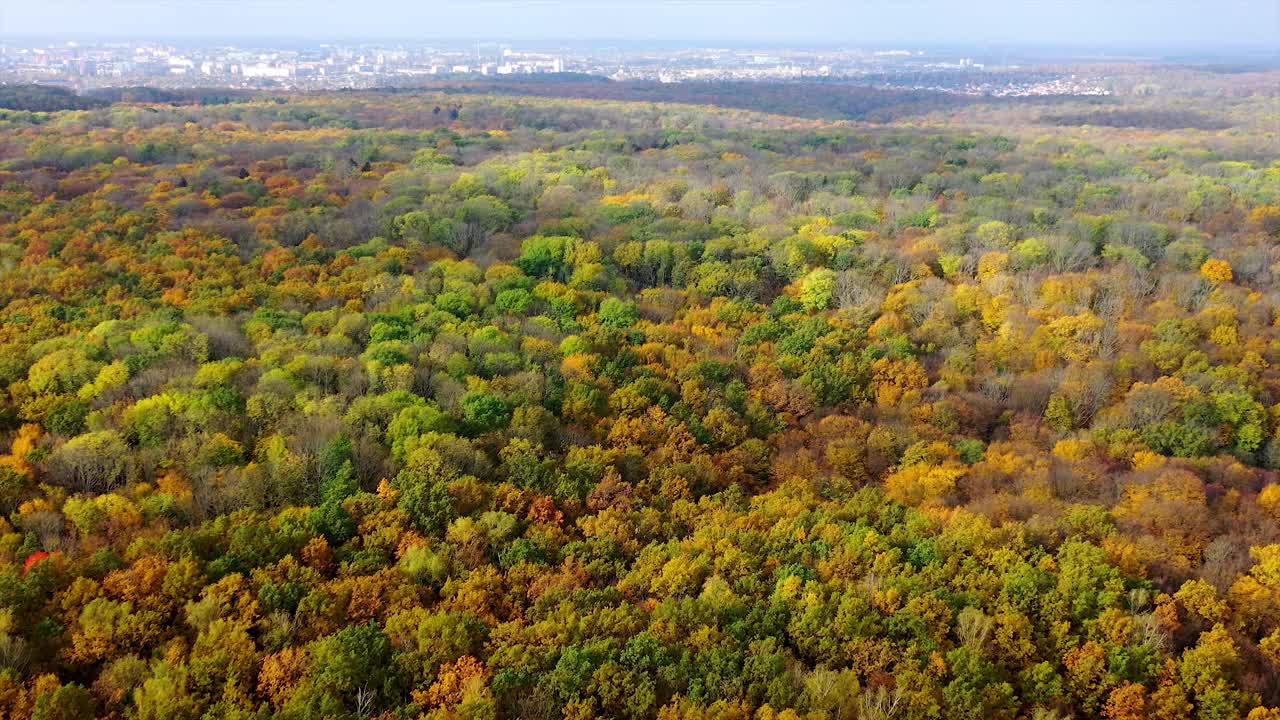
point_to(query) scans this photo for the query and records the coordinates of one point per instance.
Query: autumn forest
(478, 405)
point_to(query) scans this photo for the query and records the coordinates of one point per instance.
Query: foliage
(339, 406)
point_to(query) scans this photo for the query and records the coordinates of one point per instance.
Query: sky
(1206, 24)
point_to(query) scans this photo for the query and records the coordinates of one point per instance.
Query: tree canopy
(336, 407)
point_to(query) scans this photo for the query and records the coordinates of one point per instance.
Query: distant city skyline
(1125, 24)
(367, 64)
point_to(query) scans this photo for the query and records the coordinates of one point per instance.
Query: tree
(166, 695)
(94, 462)
(66, 702)
(354, 668)
(617, 313)
(1216, 271)
(484, 412)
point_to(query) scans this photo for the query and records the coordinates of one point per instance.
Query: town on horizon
(295, 65)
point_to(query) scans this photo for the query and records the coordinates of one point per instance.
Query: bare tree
(881, 704)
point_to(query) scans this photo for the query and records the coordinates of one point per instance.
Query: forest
(476, 405)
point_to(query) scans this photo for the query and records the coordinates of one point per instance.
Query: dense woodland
(44, 98)
(419, 405)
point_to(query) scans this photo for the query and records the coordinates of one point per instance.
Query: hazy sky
(1225, 24)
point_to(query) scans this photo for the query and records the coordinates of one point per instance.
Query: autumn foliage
(421, 405)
